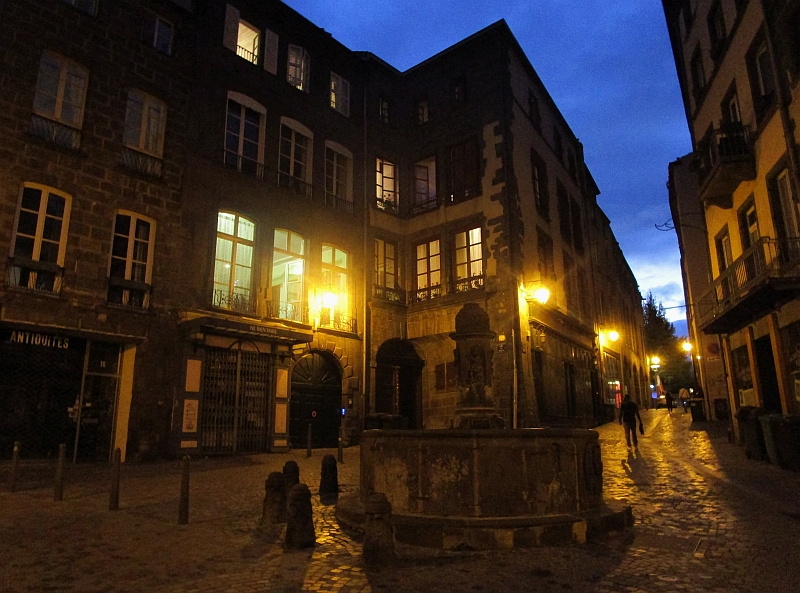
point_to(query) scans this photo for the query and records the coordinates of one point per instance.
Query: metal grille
(233, 417)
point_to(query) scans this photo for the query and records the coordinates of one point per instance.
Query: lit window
(247, 42)
(40, 237)
(386, 269)
(469, 260)
(233, 265)
(244, 135)
(157, 32)
(131, 260)
(338, 163)
(299, 67)
(294, 158)
(386, 192)
(288, 276)
(334, 283)
(429, 270)
(145, 119)
(340, 94)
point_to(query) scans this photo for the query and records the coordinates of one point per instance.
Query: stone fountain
(477, 485)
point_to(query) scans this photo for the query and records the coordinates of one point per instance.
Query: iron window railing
(235, 301)
(247, 54)
(55, 132)
(300, 186)
(428, 293)
(729, 140)
(128, 293)
(387, 201)
(141, 162)
(425, 204)
(289, 311)
(391, 295)
(234, 160)
(337, 203)
(337, 321)
(467, 284)
(34, 275)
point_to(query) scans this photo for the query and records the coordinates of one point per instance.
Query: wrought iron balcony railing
(466, 284)
(241, 302)
(337, 203)
(128, 293)
(247, 54)
(337, 321)
(34, 275)
(387, 201)
(55, 132)
(725, 160)
(289, 311)
(391, 295)
(300, 186)
(234, 160)
(424, 203)
(141, 162)
(428, 293)
(767, 259)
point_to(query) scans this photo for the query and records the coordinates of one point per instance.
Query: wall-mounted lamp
(536, 291)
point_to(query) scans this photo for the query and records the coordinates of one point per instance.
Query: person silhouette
(628, 413)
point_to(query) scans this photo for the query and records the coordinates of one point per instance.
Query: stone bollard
(300, 527)
(274, 511)
(378, 549)
(291, 475)
(329, 478)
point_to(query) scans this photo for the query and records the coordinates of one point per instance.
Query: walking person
(670, 402)
(628, 413)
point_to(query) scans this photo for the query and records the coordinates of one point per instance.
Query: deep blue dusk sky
(608, 67)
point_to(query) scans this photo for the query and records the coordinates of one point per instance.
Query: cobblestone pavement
(707, 520)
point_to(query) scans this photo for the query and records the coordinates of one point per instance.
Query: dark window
(423, 114)
(533, 109)
(459, 91)
(87, 6)
(544, 248)
(759, 70)
(571, 284)
(383, 113)
(716, 30)
(698, 73)
(463, 171)
(157, 32)
(577, 226)
(558, 144)
(565, 224)
(541, 196)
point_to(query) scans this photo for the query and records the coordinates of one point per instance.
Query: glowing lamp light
(542, 294)
(613, 335)
(687, 346)
(329, 300)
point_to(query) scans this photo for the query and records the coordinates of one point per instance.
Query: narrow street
(707, 520)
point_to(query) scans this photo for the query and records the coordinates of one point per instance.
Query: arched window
(233, 265)
(288, 299)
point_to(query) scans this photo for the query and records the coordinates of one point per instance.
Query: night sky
(608, 67)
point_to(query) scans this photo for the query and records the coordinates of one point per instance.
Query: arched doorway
(317, 400)
(398, 386)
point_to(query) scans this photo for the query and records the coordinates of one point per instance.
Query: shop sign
(39, 339)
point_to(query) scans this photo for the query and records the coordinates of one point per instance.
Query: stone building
(735, 197)
(224, 227)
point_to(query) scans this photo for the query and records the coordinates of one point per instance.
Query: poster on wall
(190, 415)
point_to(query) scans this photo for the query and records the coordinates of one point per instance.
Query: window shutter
(231, 37)
(270, 51)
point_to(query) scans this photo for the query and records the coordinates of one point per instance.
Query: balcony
(34, 275)
(337, 321)
(240, 302)
(128, 293)
(428, 293)
(299, 186)
(243, 164)
(766, 276)
(141, 162)
(55, 132)
(725, 160)
(288, 311)
(467, 284)
(390, 295)
(387, 201)
(424, 203)
(337, 203)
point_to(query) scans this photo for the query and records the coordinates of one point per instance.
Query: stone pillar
(274, 509)
(378, 548)
(300, 526)
(473, 357)
(329, 477)
(291, 475)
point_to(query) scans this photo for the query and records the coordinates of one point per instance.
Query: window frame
(431, 290)
(147, 102)
(332, 181)
(340, 99)
(287, 177)
(287, 309)
(468, 280)
(298, 67)
(125, 282)
(64, 67)
(151, 37)
(236, 240)
(461, 183)
(338, 282)
(244, 102)
(393, 204)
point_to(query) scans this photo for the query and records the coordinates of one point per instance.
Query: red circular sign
(313, 414)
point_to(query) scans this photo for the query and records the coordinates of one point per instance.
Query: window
(748, 225)
(299, 67)
(386, 271)
(446, 376)
(157, 32)
(340, 94)
(385, 188)
(558, 145)
(422, 112)
(338, 167)
(425, 185)
(577, 226)
(40, 237)
(544, 252)
(571, 285)
(244, 135)
(759, 70)
(334, 283)
(233, 265)
(288, 297)
(383, 110)
(459, 91)
(729, 106)
(541, 196)
(698, 73)
(294, 158)
(724, 260)
(533, 109)
(469, 260)
(429, 270)
(145, 119)
(87, 6)
(129, 273)
(716, 29)
(60, 98)
(240, 36)
(564, 220)
(463, 171)
(572, 166)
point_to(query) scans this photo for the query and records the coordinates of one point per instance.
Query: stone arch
(316, 398)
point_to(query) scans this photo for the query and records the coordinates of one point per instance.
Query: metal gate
(233, 412)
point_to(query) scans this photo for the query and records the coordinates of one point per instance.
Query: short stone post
(14, 466)
(300, 527)
(378, 549)
(58, 489)
(329, 478)
(291, 475)
(274, 510)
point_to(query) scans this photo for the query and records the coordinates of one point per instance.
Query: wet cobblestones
(707, 520)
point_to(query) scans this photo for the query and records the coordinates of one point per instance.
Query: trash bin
(751, 432)
(696, 407)
(786, 432)
(768, 428)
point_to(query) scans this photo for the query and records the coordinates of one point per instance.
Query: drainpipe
(366, 344)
